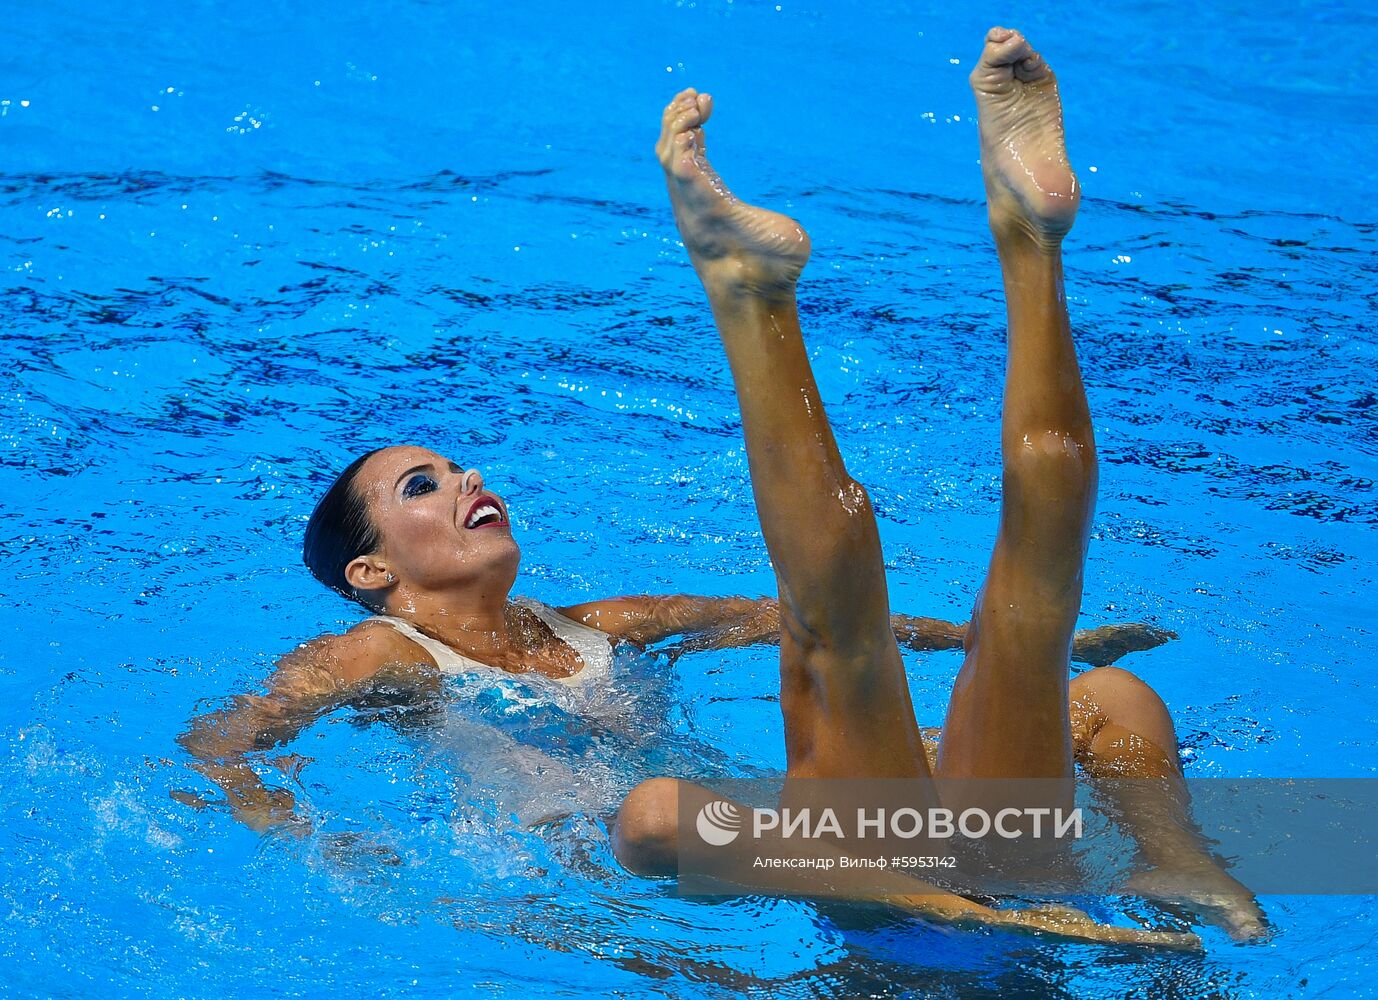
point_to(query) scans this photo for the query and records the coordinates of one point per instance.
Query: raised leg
(844, 694)
(1008, 715)
(843, 691)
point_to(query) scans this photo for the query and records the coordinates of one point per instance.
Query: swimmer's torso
(528, 744)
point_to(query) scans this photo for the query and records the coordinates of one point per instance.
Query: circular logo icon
(719, 823)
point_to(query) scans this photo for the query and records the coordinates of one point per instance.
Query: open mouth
(485, 513)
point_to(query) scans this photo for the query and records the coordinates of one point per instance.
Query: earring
(391, 578)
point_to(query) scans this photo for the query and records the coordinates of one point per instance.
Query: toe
(687, 123)
(688, 109)
(1005, 48)
(684, 96)
(1007, 57)
(1031, 68)
(689, 117)
(681, 114)
(705, 104)
(681, 101)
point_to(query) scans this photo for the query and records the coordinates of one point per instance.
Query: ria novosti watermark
(719, 822)
(1031, 838)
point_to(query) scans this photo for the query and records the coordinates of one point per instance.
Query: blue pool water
(243, 244)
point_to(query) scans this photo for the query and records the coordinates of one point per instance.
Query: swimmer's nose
(471, 481)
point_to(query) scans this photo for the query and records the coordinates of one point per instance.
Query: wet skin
(843, 693)
(1013, 712)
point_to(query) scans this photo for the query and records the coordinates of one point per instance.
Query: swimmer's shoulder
(362, 651)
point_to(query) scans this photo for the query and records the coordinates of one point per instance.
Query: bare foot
(1029, 183)
(1208, 892)
(735, 247)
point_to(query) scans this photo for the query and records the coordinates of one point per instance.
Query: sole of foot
(1029, 181)
(735, 247)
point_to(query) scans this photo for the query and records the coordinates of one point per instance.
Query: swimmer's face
(441, 527)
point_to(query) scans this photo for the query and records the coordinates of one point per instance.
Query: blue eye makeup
(418, 485)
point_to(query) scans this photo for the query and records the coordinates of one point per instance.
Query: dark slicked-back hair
(340, 531)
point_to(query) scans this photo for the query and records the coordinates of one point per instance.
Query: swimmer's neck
(477, 621)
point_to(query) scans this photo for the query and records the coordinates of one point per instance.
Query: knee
(1059, 461)
(845, 523)
(861, 532)
(1113, 686)
(645, 835)
(1115, 696)
(1073, 448)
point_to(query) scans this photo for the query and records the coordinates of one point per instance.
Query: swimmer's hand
(1102, 646)
(261, 809)
(359, 849)
(1069, 924)
(272, 809)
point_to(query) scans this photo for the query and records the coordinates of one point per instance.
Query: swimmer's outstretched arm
(647, 619)
(728, 622)
(708, 623)
(1098, 647)
(311, 681)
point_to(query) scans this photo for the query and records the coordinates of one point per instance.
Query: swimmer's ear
(368, 573)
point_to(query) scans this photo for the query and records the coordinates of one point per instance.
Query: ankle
(743, 283)
(1017, 234)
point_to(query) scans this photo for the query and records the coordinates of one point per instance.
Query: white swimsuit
(594, 647)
